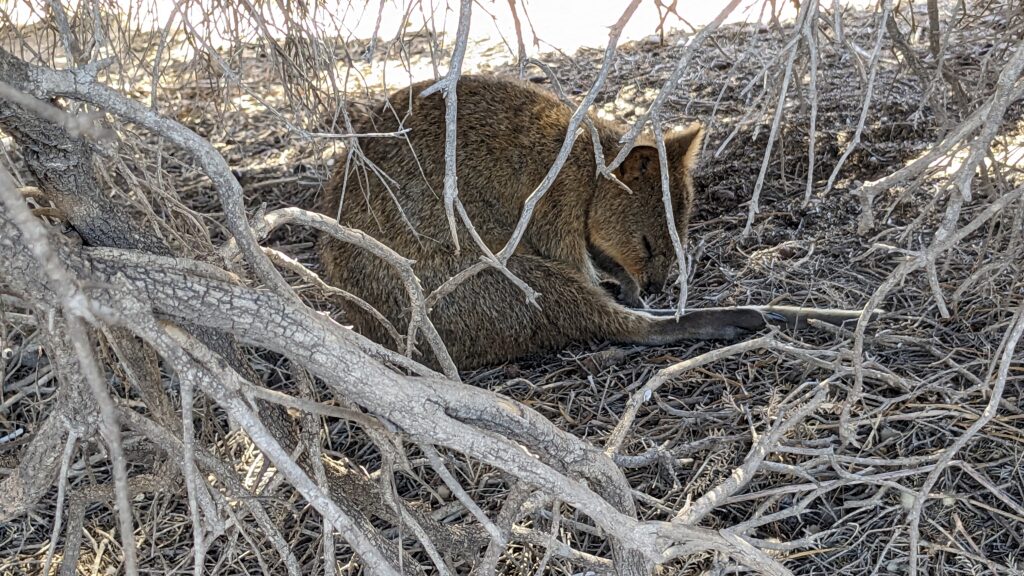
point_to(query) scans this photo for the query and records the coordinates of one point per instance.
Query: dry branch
(75, 312)
(420, 313)
(451, 102)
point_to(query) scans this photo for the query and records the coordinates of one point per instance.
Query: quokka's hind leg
(487, 320)
(790, 316)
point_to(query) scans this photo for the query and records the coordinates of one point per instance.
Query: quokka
(508, 134)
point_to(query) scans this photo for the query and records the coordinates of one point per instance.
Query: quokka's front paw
(627, 294)
(611, 287)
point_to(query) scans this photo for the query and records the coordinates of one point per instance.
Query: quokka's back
(509, 133)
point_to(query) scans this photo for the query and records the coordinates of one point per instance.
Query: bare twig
(285, 261)
(869, 90)
(811, 41)
(449, 84)
(460, 493)
(65, 465)
(673, 230)
(618, 435)
(311, 433)
(741, 476)
(805, 19)
(571, 133)
(670, 84)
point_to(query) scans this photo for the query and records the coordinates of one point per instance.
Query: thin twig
(869, 91)
(805, 21)
(449, 84)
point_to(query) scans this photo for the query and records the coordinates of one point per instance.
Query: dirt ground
(820, 505)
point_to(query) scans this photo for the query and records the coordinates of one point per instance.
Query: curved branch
(80, 84)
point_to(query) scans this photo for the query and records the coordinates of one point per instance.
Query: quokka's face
(630, 230)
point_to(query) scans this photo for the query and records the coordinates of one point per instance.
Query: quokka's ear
(683, 146)
(640, 161)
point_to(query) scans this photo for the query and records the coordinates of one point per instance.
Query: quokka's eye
(647, 247)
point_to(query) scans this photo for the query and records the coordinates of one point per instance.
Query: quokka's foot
(704, 324)
(736, 322)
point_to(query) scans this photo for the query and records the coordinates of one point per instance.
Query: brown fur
(509, 133)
